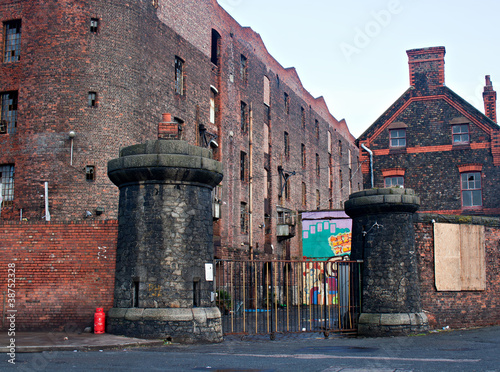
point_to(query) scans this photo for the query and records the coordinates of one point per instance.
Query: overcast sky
(353, 53)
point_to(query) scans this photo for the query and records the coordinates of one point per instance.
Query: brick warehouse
(107, 71)
(433, 141)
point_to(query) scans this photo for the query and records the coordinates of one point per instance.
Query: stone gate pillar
(383, 237)
(165, 238)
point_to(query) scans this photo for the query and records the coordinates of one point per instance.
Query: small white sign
(209, 272)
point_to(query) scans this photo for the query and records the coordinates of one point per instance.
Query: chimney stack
(490, 100)
(426, 67)
(168, 128)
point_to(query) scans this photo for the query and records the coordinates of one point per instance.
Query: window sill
(461, 146)
(397, 150)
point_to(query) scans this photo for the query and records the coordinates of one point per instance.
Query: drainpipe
(250, 183)
(370, 152)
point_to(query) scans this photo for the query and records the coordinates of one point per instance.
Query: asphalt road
(456, 350)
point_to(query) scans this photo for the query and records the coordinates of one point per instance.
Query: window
(90, 173)
(317, 165)
(394, 181)
(316, 128)
(92, 99)
(215, 47)
(8, 114)
(287, 102)
(318, 200)
(267, 114)
(341, 181)
(243, 218)
(460, 134)
(179, 76)
(267, 92)
(94, 25)
(213, 105)
(303, 117)
(243, 68)
(243, 165)
(471, 189)
(304, 195)
(286, 145)
(243, 116)
(12, 41)
(397, 137)
(303, 155)
(329, 142)
(7, 184)
(340, 149)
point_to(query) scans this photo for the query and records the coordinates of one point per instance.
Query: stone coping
(423, 217)
(393, 319)
(382, 201)
(166, 147)
(198, 314)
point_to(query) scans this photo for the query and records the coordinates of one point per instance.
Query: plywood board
(472, 253)
(447, 262)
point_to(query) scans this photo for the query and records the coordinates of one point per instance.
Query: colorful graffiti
(315, 286)
(326, 234)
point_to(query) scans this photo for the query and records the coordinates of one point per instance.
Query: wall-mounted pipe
(370, 152)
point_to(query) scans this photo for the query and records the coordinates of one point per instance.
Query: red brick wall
(63, 271)
(464, 308)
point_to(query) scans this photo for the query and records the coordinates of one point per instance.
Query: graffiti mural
(326, 234)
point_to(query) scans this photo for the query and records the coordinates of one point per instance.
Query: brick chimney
(168, 129)
(426, 67)
(490, 100)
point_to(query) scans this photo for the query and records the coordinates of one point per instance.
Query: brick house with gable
(433, 141)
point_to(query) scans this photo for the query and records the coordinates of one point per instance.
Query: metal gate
(268, 297)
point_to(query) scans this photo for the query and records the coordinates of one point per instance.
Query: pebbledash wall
(466, 308)
(62, 273)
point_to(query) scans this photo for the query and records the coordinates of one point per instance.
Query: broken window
(179, 76)
(243, 68)
(92, 100)
(316, 128)
(243, 218)
(244, 116)
(6, 184)
(90, 173)
(471, 189)
(215, 47)
(12, 41)
(243, 165)
(317, 165)
(287, 102)
(94, 25)
(8, 114)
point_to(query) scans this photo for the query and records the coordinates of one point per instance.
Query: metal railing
(268, 297)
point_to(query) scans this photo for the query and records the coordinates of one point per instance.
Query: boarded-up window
(459, 257)
(267, 92)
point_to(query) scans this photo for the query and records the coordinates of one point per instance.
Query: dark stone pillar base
(398, 324)
(180, 325)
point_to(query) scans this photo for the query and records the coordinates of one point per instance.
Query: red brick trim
(470, 168)
(393, 172)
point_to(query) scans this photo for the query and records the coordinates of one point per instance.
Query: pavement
(35, 342)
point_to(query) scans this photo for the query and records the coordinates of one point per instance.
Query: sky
(353, 53)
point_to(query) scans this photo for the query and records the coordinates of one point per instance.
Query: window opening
(243, 218)
(179, 76)
(7, 180)
(8, 115)
(12, 41)
(460, 134)
(90, 173)
(303, 155)
(94, 25)
(304, 195)
(316, 128)
(317, 165)
(287, 102)
(286, 145)
(303, 116)
(244, 116)
(394, 181)
(243, 68)
(215, 47)
(318, 200)
(92, 99)
(471, 189)
(397, 137)
(243, 160)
